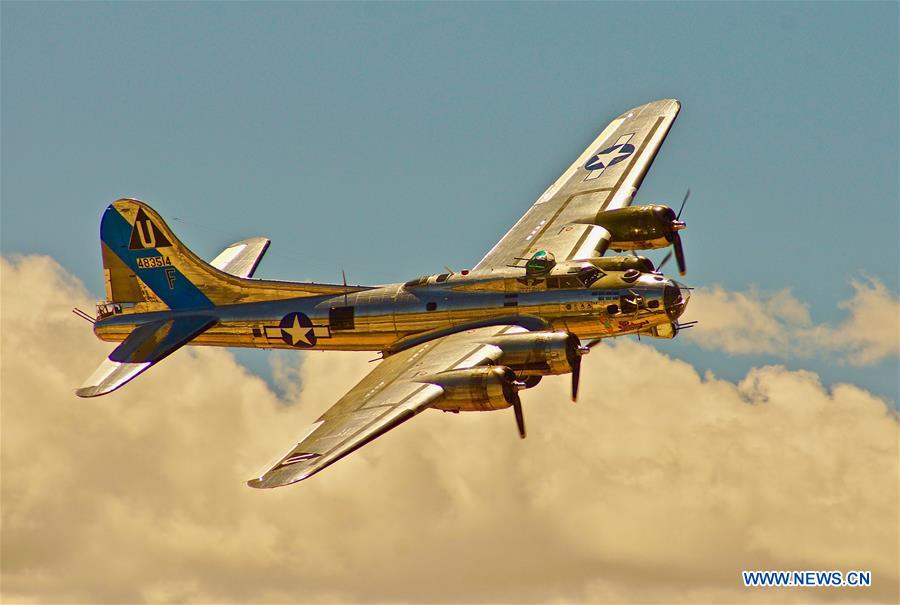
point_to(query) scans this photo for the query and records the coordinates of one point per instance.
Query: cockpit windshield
(582, 278)
(417, 282)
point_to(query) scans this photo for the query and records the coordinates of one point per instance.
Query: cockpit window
(442, 277)
(419, 281)
(577, 278)
(564, 281)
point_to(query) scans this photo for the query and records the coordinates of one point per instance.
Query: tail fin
(145, 264)
(143, 261)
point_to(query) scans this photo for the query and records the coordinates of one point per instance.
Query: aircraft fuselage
(384, 317)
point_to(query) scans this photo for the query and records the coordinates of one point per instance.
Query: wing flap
(145, 346)
(242, 258)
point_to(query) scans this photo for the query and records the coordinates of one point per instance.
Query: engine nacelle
(538, 353)
(478, 389)
(623, 263)
(639, 227)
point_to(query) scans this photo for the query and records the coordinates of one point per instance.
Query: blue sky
(391, 139)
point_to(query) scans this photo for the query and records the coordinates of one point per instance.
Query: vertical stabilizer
(143, 261)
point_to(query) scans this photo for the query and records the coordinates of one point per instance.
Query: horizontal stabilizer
(142, 348)
(242, 258)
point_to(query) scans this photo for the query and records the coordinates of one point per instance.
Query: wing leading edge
(387, 397)
(606, 176)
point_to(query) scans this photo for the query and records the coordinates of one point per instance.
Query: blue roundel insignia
(297, 330)
(609, 156)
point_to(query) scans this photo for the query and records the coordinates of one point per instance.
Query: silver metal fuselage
(383, 318)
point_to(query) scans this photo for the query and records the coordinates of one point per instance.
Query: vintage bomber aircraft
(466, 341)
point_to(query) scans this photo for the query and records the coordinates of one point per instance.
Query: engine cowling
(624, 263)
(639, 227)
(538, 353)
(478, 389)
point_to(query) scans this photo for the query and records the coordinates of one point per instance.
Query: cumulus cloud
(754, 322)
(659, 485)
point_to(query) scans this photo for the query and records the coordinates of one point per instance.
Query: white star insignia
(298, 333)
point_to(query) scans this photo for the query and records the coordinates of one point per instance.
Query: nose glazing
(675, 299)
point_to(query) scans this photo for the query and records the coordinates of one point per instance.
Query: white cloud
(753, 322)
(659, 485)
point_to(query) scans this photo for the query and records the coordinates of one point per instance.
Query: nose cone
(675, 299)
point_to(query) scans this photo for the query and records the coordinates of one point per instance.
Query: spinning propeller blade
(520, 417)
(679, 253)
(675, 239)
(683, 202)
(665, 259)
(576, 378)
(574, 352)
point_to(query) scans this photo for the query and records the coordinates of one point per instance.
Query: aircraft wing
(605, 177)
(241, 258)
(390, 395)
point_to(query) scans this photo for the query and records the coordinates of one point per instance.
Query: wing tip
(664, 106)
(285, 474)
(272, 481)
(92, 391)
(109, 376)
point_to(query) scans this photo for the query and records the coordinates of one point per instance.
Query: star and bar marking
(297, 330)
(609, 156)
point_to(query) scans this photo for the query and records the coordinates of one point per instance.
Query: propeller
(679, 253)
(665, 259)
(687, 194)
(574, 352)
(520, 417)
(511, 390)
(576, 379)
(677, 225)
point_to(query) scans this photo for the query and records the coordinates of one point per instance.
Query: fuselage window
(612, 309)
(431, 306)
(629, 304)
(653, 304)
